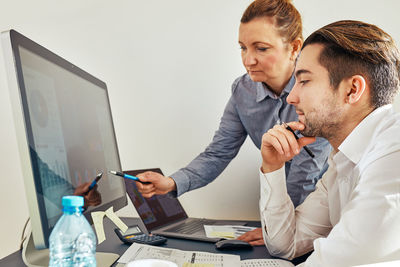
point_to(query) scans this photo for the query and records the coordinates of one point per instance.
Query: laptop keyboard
(191, 227)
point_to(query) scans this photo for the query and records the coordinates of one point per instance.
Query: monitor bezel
(11, 41)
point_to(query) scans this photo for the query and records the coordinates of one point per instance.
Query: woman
(270, 37)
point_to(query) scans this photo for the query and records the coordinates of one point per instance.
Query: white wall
(169, 66)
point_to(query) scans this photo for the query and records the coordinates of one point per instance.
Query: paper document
(226, 231)
(195, 258)
(266, 263)
(181, 258)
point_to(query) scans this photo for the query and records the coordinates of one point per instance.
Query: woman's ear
(295, 48)
(356, 88)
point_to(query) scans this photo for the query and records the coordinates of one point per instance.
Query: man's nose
(293, 97)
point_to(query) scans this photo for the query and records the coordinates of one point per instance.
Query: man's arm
(289, 232)
(285, 231)
(305, 171)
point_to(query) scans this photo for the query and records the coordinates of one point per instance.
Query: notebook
(164, 214)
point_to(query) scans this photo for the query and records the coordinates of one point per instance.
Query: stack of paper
(194, 258)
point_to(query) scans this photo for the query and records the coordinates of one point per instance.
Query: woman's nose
(249, 59)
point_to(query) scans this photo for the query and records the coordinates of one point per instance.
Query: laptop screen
(157, 211)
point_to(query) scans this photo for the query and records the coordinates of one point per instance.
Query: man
(346, 78)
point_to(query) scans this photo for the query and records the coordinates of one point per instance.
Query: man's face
(317, 103)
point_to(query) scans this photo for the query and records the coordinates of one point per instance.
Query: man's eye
(262, 49)
(243, 48)
(303, 82)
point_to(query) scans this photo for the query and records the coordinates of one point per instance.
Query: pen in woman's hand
(127, 176)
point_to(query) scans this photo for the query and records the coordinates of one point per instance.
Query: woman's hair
(286, 17)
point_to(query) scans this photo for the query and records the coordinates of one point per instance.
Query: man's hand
(92, 197)
(254, 237)
(159, 184)
(280, 145)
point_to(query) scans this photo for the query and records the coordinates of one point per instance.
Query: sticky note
(116, 220)
(97, 218)
(223, 234)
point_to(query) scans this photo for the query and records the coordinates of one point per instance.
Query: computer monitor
(64, 129)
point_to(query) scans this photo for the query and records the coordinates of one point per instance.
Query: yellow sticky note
(116, 220)
(187, 264)
(97, 218)
(223, 234)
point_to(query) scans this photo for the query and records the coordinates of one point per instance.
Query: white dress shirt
(353, 216)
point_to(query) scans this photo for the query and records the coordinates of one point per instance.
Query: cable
(23, 237)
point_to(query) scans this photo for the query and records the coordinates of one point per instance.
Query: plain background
(169, 66)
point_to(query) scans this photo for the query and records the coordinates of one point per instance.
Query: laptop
(164, 214)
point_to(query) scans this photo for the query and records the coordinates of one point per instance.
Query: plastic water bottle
(72, 241)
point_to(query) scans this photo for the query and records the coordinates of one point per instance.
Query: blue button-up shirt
(252, 110)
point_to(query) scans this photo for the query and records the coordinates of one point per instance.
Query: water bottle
(72, 241)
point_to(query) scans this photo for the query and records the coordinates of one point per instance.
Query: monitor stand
(33, 257)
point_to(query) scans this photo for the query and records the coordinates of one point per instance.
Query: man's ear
(295, 48)
(356, 88)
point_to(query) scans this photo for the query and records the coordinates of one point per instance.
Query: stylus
(127, 176)
(309, 152)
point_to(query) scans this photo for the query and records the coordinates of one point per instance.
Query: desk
(113, 244)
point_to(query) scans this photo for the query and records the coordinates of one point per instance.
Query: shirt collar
(355, 144)
(263, 90)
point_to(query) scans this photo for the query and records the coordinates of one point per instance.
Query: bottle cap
(72, 201)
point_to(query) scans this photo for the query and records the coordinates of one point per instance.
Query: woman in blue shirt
(270, 37)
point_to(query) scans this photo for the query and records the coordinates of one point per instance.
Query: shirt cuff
(273, 188)
(182, 182)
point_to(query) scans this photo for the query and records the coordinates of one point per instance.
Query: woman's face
(265, 55)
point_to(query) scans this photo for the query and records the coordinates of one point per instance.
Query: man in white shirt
(346, 78)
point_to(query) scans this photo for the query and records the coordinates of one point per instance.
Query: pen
(98, 177)
(309, 152)
(127, 176)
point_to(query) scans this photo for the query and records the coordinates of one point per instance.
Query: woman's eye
(242, 48)
(262, 49)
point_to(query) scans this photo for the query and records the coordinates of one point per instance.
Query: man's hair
(286, 17)
(358, 48)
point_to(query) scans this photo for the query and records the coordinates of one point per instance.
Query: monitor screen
(64, 129)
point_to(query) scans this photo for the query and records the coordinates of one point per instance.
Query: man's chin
(307, 133)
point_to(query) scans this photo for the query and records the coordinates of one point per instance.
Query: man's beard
(319, 124)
